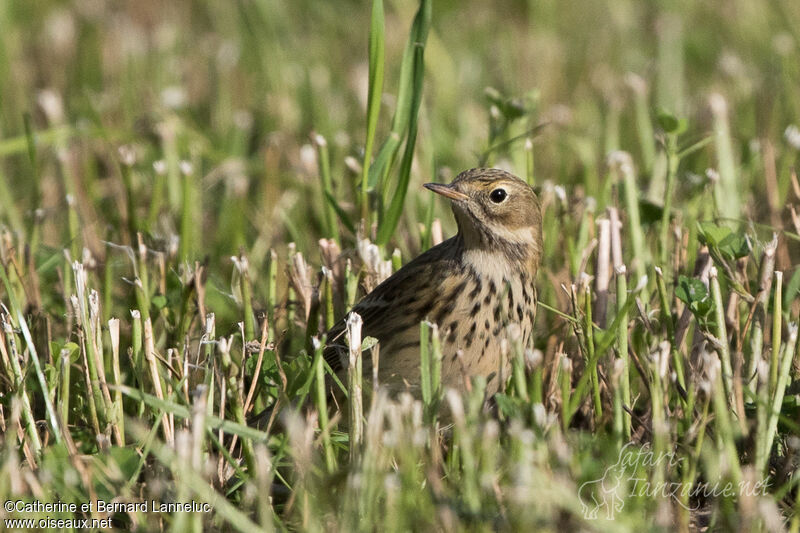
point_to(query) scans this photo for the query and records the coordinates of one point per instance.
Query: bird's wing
(401, 301)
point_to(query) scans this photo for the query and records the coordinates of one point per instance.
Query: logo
(624, 479)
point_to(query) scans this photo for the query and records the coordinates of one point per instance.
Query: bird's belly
(471, 343)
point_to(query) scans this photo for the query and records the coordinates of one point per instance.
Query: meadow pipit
(472, 286)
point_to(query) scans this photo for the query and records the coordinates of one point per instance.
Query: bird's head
(495, 211)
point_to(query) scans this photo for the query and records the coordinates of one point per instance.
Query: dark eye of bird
(498, 195)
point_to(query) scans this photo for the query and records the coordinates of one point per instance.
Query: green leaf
(732, 245)
(159, 301)
(710, 234)
(71, 347)
(667, 121)
(368, 343)
(268, 365)
(735, 246)
(695, 295)
(670, 123)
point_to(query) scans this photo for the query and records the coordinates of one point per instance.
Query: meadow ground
(192, 192)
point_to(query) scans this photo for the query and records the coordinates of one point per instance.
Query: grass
(191, 194)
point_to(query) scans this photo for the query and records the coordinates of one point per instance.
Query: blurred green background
(201, 126)
(248, 80)
(225, 96)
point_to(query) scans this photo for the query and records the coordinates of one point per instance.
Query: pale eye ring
(498, 195)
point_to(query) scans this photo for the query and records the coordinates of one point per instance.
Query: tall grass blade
(417, 40)
(376, 61)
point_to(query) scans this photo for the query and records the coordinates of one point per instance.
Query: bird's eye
(498, 195)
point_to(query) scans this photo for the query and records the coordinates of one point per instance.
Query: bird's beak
(446, 190)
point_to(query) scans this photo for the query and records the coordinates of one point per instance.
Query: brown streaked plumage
(471, 285)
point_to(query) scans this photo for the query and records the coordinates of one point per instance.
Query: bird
(472, 286)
